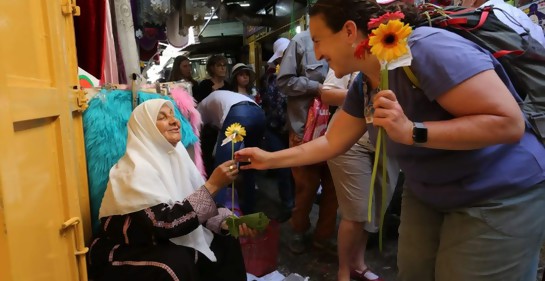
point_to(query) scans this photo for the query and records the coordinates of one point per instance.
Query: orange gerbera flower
(389, 41)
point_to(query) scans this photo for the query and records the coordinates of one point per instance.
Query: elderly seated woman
(158, 218)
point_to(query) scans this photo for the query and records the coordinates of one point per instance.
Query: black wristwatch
(420, 134)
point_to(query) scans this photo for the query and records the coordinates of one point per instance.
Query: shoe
(297, 244)
(326, 245)
(361, 276)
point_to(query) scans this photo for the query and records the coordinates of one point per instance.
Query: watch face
(420, 133)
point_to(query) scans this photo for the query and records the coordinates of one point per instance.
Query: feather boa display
(105, 135)
(187, 106)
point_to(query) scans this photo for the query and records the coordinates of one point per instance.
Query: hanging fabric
(121, 74)
(153, 11)
(109, 67)
(125, 37)
(89, 30)
(148, 43)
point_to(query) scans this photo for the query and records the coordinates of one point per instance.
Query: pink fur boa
(187, 107)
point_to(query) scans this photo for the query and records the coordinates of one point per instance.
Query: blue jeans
(252, 118)
(275, 141)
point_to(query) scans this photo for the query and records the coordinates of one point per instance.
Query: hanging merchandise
(536, 12)
(109, 65)
(153, 11)
(105, 135)
(86, 80)
(148, 41)
(89, 31)
(125, 37)
(188, 107)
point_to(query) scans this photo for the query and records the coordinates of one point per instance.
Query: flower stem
(384, 186)
(373, 179)
(380, 149)
(384, 77)
(233, 183)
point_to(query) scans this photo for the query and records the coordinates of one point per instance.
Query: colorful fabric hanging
(125, 38)
(109, 66)
(89, 30)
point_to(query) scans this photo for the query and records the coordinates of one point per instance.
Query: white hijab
(152, 172)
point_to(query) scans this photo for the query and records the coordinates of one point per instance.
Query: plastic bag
(317, 119)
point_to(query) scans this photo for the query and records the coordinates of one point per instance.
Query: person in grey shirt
(300, 78)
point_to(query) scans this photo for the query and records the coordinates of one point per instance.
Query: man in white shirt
(511, 16)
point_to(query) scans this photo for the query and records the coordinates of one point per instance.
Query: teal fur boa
(105, 134)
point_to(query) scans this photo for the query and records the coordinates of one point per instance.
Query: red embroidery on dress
(107, 223)
(149, 263)
(125, 227)
(91, 247)
(172, 224)
(111, 256)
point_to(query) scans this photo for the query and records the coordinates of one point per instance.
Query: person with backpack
(300, 78)
(276, 137)
(511, 16)
(474, 169)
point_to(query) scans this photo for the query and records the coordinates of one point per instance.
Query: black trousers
(170, 262)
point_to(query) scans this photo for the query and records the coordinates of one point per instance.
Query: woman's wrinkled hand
(390, 116)
(222, 176)
(256, 158)
(245, 231)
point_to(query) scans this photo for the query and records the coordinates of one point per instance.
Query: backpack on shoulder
(522, 57)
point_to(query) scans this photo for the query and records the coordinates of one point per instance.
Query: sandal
(354, 274)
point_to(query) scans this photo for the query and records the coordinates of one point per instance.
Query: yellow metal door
(42, 174)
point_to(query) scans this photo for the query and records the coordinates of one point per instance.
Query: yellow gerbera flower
(389, 41)
(237, 130)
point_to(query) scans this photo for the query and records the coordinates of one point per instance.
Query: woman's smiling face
(168, 125)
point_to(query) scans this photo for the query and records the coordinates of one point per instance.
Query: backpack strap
(502, 53)
(459, 22)
(411, 76)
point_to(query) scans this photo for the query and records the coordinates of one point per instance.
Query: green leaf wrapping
(258, 221)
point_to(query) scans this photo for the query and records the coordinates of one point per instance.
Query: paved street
(316, 264)
(320, 266)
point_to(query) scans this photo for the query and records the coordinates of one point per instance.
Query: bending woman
(158, 218)
(475, 172)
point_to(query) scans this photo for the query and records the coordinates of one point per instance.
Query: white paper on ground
(296, 277)
(273, 276)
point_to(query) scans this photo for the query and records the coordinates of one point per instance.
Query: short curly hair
(212, 61)
(337, 12)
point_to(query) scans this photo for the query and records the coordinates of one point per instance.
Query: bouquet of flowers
(387, 41)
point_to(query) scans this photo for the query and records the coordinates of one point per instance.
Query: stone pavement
(320, 266)
(317, 265)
